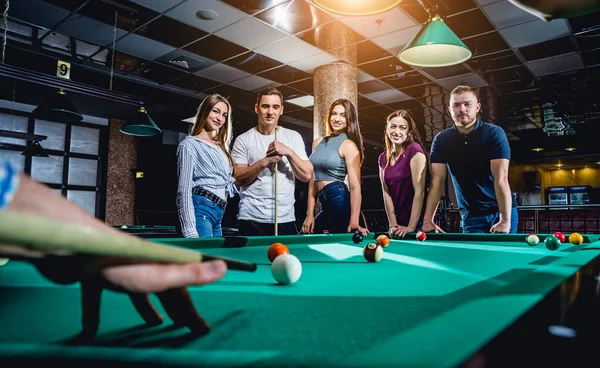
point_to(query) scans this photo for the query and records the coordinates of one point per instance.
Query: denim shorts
(208, 216)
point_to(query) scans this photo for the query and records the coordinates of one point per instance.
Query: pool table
(452, 300)
(150, 231)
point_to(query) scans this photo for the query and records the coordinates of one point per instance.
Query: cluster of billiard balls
(285, 267)
(373, 251)
(554, 241)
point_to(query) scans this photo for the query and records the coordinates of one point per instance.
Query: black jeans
(253, 228)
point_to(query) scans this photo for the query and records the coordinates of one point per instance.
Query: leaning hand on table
(431, 227)
(502, 227)
(354, 227)
(401, 231)
(309, 225)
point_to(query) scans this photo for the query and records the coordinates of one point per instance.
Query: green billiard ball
(552, 242)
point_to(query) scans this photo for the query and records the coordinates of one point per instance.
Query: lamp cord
(112, 62)
(5, 16)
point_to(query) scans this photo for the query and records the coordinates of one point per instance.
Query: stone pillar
(334, 80)
(120, 181)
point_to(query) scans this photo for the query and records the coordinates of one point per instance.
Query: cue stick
(276, 170)
(39, 233)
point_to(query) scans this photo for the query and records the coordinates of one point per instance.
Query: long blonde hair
(225, 134)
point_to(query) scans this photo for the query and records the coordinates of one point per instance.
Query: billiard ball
(575, 238)
(421, 236)
(552, 242)
(276, 250)
(532, 239)
(357, 237)
(383, 240)
(286, 269)
(560, 236)
(373, 252)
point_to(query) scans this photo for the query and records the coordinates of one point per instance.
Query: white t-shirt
(257, 199)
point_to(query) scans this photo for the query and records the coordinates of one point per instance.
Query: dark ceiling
(537, 80)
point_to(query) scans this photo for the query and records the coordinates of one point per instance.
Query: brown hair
(268, 91)
(412, 136)
(226, 131)
(352, 126)
(464, 88)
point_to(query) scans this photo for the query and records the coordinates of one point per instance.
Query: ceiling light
(435, 46)
(537, 149)
(356, 7)
(570, 149)
(58, 108)
(207, 14)
(142, 125)
(304, 101)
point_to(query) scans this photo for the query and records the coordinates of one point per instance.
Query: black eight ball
(357, 238)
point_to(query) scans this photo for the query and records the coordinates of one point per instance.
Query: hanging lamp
(141, 125)
(58, 108)
(34, 149)
(435, 46)
(357, 7)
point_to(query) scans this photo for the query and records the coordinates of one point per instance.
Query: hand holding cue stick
(276, 169)
(39, 233)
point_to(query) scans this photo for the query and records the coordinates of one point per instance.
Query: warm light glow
(356, 7)
(435, 46)
(430, 56)
(537, 149)
(570, 149)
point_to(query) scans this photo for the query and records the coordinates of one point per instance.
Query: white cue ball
(532, 239)
(286, 269)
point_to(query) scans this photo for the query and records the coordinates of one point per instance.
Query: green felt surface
(430, 303)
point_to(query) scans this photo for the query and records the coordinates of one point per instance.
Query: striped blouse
(205, 165)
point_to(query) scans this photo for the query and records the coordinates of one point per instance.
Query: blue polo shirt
(467, 158)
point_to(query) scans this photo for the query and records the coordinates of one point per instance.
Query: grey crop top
(327, 163)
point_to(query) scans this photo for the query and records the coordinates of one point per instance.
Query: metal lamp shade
(142, 125)
(435, 46)
(35, 149)
(58, 108)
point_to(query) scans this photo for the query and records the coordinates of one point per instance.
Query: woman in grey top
(205, 170)
(334, 157)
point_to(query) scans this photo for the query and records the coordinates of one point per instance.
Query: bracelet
(9, 182)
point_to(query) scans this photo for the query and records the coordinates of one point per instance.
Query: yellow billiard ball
(575, 238)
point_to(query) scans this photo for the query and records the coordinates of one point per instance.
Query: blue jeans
(335, 209)
(208, 217)
(483, 223)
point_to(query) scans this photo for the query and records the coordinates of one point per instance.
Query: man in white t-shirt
(255, 153)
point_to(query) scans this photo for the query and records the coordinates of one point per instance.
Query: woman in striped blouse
(205, 170)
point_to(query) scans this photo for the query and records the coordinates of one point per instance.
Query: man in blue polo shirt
(477, 156)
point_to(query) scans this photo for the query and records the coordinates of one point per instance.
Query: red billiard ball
(276, 250)
(373, 252)
(421, 236)
(383, 240)
(560, 236)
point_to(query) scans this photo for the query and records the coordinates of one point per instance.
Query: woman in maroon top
(403, 173)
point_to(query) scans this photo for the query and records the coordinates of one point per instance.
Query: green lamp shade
(35, 149)
(58, 108)
(435, 46)
(357, 7)
(142, 125)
